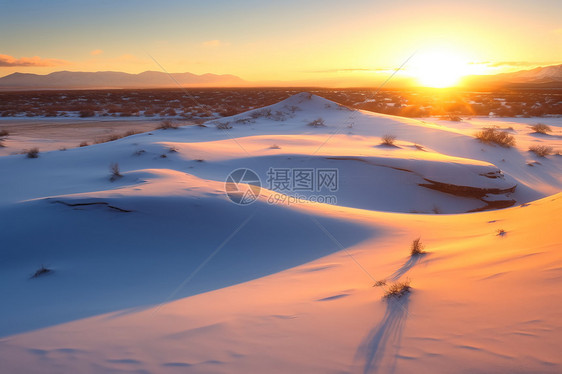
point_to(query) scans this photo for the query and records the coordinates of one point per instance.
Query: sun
(438, 69)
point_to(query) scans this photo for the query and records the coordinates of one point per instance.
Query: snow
(158, 271)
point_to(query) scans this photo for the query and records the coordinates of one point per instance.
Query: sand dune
(158, 271)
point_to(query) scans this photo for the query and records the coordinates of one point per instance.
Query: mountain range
(113, 79)
(545, 77)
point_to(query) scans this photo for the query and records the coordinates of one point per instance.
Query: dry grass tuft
(41, 271)
(492, 135)
(541, 128)
(398, 289)
(115, 172)
(417, 247)
(319, 122)
(541, 150)
(223, 125)
(388, 140)
(33, 153)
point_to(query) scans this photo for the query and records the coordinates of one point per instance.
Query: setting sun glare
(438, 69)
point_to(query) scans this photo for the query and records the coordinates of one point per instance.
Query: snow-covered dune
(154, 269)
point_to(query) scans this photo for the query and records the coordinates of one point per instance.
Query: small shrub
(317, 123)
(398, 289)
(380, 283)
(4, 133)
(107, 139)
(541, 150)
(501, 232)
(84, 144)
(417, 247)
(541, 128)
(388, 140)
(62, 149)
(172, 150)
(33, 153)
(167, 124)
(492, 135)
(130, 132)
(261, 113)
(115, 172)
(274, 146)
(223, 125)
(87, 113)
(454, 118)
(41, 271)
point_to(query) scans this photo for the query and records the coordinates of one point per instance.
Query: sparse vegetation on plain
(493, 135)
(541, 150)
(230, 101)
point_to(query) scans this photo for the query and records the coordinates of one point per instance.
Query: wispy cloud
(502, 64)
(96, 52)
(352, 70)
(214, 43)
(10, 61)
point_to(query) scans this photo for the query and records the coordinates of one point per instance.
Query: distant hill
(113, 79)
(541, 77)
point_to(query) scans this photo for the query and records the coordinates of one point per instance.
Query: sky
(304, 40)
